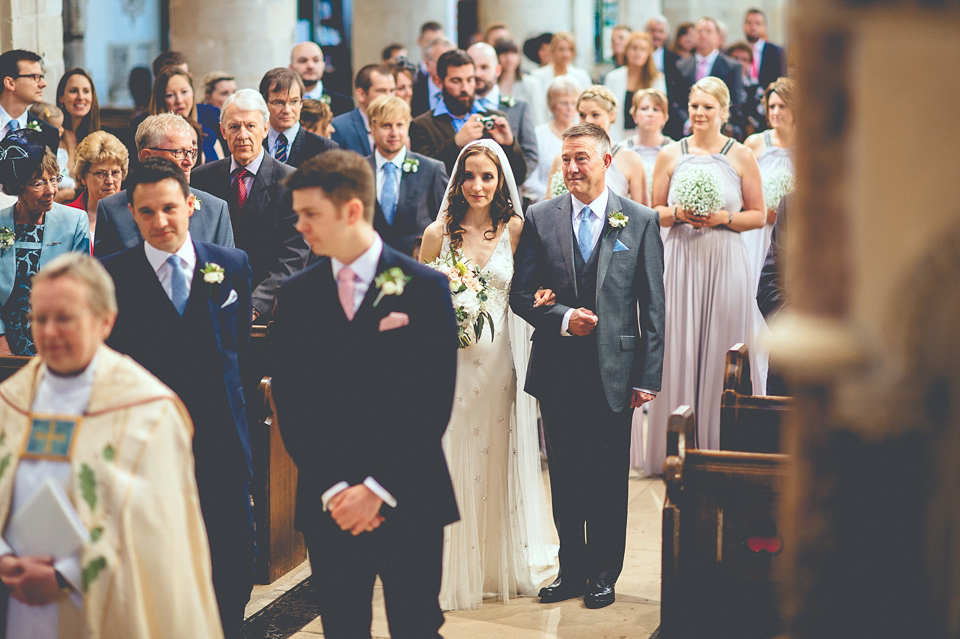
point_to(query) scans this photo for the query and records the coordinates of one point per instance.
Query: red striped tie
(241, 187)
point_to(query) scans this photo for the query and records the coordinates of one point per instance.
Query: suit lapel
(567, 238)
(406, 184)
(608, 239)
(297, 147)
(152, 291)
(258, 192)
(213, 304)
(361, 132)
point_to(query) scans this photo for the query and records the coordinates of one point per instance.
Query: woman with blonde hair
(626, 176)
(638, 73)
(707, 279)
(563, 50)
(100, 167)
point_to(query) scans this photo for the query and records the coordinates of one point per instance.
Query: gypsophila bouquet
(469, 289)
(698, 190)
(776, 184)
(557, 185)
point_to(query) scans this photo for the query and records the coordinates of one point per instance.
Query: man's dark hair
(155, 169)
(364, 81)
(10, 63)
(341, 174)
(755, 11)
(454, 58)
(280, 80)
(388, 51)
(168, 59)
(430, 26)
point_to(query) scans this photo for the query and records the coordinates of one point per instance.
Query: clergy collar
(83, 377)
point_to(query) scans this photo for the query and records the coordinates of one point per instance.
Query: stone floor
(635, 615)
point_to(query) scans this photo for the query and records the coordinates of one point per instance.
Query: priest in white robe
(118, 443)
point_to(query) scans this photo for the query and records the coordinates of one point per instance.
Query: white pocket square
(231, 298)
(620, 246)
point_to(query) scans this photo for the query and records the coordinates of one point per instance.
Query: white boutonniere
(325, 98)
(390, 282)
(6, 237)
(197, 203)
(616, 220)
(411, 165)
(508, 100)
(35, 125)
(212, 273)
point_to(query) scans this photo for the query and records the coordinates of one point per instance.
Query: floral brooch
(508, 100)
(213, 273)
(411, 165)
(616, 220)
(390, 282)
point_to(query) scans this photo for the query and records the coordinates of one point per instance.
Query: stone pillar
(245, 37)
(35, 25)
(377, 23)
(871, 517)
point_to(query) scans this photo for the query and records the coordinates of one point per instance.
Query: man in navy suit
(287, 141)
(21, 84)
(410, 186)
(165, 135)
(184, 315)
(307, 60)
(365, 347)
(769, 60)
(252, 183)
(352, 129)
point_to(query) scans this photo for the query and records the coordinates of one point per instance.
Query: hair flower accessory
(616, 220)
(411, 165)
(6, 237)
(390, 282)
(212, 273)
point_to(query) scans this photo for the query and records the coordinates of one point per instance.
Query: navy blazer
(307, 145)
(773, 64)
(356, 401)
(350, 133)
(266, 226)
(141, 301)
(418, 202)
(116, 230)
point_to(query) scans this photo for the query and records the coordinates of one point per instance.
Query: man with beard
(458, 120)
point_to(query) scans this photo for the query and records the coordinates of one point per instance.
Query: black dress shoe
(599, 594)
(561, 589)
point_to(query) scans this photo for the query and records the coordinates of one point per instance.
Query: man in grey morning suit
(597, 354)
(166, 135)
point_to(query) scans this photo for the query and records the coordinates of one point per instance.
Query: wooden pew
(721, 546)
(749, 423)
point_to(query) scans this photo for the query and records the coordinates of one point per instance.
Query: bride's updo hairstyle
(716, 89)
(501, 209)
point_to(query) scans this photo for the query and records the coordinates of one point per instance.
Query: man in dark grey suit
(487, 94)
(287, 141)
(410, 186)
(261, 208)
(597, 354)
(352, 129)
(166, 135)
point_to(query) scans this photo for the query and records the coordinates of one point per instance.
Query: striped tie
(281, 150)
(241, 187)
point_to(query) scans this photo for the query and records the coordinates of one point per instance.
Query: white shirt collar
(493, 97)
(710, 57)
(158, 258)
(397, 160)
(290, 134)
(5, 119)
(253, 167)
(758, 47)
(598, 207)
(658, 59)
(315, 92)
(365, 266)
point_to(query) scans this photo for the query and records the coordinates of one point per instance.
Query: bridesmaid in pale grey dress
(710, 299)
(774, 151)
(650, 110)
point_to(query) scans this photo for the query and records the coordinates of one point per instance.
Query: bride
(501, 547)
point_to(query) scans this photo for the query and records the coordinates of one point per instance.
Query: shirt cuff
(331, 492)
(644, 390)
(565, 323)
(69, 568)
(380, 491)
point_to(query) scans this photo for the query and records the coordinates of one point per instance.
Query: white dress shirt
(158, 261)
(315, 92)
(5, 122)
(491, 101)
(658, 59)
(251, 168)
(273, 134)
(707, 61)
(365, 270)
(381, 174)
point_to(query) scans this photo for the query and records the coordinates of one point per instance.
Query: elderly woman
(638, 73)
(562, 100)
(100, 166)
(141, 567)
(32, 231)
(173, 93)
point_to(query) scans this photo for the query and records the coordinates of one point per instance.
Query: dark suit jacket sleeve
(427, 139)
(528, 140)
(529, 274)
(291, 253)
(515, 155)
(770, 291)
(223, 236)
(106, 240)
(648, 281)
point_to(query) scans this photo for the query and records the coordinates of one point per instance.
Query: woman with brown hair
(173, 93)
(685, 40)
(639, 72)
(77, 98)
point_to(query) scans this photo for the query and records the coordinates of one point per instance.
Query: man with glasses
(166, 135)
(352, 129)
(21, 84)
(287, 141)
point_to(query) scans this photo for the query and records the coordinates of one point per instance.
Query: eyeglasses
(178, 154)
(279, 104)
(38, 185)
(116, 174)
(36, 77)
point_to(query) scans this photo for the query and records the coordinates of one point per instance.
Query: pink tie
(703, 71)
(345, 284)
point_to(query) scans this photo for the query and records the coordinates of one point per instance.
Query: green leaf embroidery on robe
(92, 570)
(88, 486)
(3, 437)
(96, 533)
(4, 463)
(108, 452)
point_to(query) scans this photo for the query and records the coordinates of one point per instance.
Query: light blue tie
(12, 125)
(388, 195)
(585, 238)
(178, 284)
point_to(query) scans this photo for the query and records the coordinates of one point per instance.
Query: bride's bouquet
(698, 190)
(776, 184)
(469, 289)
